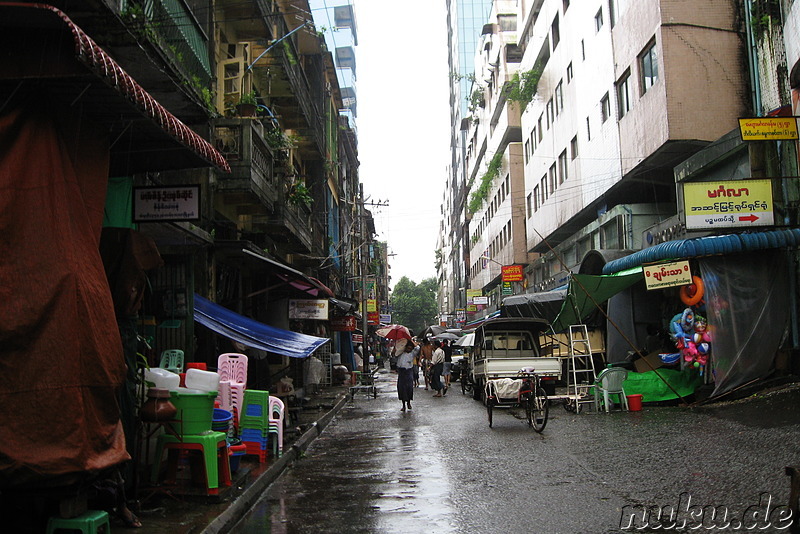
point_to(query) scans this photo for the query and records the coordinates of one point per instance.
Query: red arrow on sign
(749, 218)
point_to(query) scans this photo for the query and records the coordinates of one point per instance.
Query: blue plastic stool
(92, 522)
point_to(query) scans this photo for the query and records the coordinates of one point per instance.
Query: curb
(225, 522)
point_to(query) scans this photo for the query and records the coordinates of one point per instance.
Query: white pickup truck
(504, 346)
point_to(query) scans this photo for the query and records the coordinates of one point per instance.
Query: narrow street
(440, 468)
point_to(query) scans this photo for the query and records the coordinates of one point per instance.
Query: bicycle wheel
(538, 410)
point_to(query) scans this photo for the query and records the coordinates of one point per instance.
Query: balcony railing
(178, 31)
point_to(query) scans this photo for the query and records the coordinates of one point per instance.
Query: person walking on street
(405, 362)
(437, 362)
(426, 353)
(448, 364)
(415, 367)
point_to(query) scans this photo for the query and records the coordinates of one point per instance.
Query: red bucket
(634, 403)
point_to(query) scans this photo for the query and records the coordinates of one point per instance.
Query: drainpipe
(752, 57)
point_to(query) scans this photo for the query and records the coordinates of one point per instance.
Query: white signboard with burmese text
(308, 309)
(663, 275)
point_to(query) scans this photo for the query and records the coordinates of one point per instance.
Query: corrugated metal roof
(707, 246)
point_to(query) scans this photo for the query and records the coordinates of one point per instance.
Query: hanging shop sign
(358, 338)
(308, 309)
(512, 273)
(472, 308)
(343, 324)
(386, 318)
(157, 204)
(480, 300)
(472, 293)
(768, 128)
(507, 289)
(673, 274)
(373, 318)
(372, 305)
(730, 204)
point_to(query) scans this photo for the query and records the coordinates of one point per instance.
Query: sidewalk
(184, 514)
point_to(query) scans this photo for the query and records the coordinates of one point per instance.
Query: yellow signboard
(663, 275)
(768, 128)
(735, 203)
(372, 305)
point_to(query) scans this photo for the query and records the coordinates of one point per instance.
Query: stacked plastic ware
(232, 368)
(276, 410)
(254, 422)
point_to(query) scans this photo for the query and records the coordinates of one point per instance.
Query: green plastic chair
(172, 360)
(609, 382)
(90, 522)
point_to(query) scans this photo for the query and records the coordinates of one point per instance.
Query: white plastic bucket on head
(202, 380)
(162, 378)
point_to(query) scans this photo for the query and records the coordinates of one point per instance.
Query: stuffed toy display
(690, 333)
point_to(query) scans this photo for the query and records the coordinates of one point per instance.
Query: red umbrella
(394, 331)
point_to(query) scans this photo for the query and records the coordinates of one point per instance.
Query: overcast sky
(403, 116)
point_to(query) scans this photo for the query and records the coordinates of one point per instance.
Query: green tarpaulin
(587, 291)
(654, 389)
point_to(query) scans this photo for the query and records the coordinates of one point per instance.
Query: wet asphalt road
(440, 468)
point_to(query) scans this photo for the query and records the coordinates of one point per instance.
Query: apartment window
(555, 32)
(507, 23)
(569, 72)
(598, 20)
(559, 97)
(565, 3)
(648, 65)
(541, 130)
(527, 151)
(553, 178)
(623, 94)
(605, 108)
(562, 167)
(612, 12)
(573, 145)
(543, 187)
(550, 114)
(583, 50)
(533, 141)
(536, 197)
(529, 204)
(588, 130)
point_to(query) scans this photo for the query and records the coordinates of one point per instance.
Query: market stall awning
(586, 292)
(545, 305)
(707, 246)
(253, 333)
(50, 59)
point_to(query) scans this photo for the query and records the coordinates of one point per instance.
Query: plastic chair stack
(232, 368)
(254, 422)
(172, 360)
(276, 411)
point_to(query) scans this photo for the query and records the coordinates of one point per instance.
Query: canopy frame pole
(621, 333)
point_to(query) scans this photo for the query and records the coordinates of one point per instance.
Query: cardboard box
(653, 359)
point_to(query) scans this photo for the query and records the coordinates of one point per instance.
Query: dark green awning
(586, 292)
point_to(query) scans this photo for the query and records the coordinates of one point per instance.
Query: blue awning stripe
(252, 333)
(706, 246)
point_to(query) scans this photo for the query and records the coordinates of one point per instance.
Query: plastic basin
(195, 410)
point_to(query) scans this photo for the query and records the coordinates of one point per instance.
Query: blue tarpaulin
(252, 333)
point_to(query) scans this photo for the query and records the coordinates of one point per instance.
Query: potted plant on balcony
(299, 194)
(247, 105)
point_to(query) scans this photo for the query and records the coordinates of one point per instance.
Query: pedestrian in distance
(426, 353)
(405, 362)
(415, 367)
(437, 366)
(448, 365)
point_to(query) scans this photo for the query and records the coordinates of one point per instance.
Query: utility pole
(363, 268)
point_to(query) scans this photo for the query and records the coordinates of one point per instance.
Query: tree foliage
(414, 305)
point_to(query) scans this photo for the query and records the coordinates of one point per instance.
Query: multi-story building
(465, 20)
(243, 109)
(627, 105)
